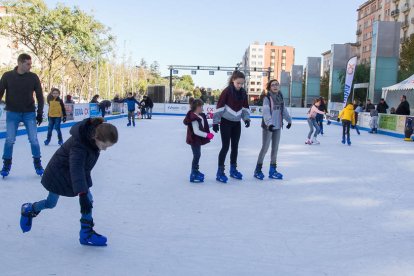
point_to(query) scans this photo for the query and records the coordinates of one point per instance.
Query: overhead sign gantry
(174, 69)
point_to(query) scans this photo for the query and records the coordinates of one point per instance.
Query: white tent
(393, 93)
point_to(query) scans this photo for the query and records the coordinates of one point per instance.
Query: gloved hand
(85, 203)
(64, 119)
(39, 119)
(288, 125)
(271, 128)
(338, 120)
(247, 123)
(216, 128)
(210, 136)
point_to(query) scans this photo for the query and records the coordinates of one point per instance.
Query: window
(253, 62)
(254, 49)
(283, 67)
(253, 56)
(260, 56)
(258, 90)
(260, 63)
(272, 50)
(251, 89)
(252, 83)
(260, 49)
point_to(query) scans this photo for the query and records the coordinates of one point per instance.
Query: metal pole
(171, 84)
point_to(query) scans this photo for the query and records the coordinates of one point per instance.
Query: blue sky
(200, 32)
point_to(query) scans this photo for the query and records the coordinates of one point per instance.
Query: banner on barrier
(388, 122)
(177, 108)
(93, 110)
(81, 111)
(69, 111)
(117, 108)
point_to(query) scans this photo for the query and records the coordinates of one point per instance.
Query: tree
(155, 69)
(143, 64)
(56, 36)
(186, 83)
(406, 59)
(325, 85)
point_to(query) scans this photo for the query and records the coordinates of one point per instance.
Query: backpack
(271, 108)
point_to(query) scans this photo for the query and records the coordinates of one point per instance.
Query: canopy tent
(392, 93)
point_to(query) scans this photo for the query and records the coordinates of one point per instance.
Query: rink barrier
(78, 112)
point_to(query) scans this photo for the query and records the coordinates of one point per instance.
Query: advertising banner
(176, 108)
(81, 111)
(349, 78)
(388, 122)
(69, 111)
(94, 110)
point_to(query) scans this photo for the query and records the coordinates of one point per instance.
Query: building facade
(382, 10)
(278, 58)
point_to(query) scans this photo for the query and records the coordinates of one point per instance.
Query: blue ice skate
(196, 177)
(27, 215)
(274, 174)
(6, 167)
(258, 172)
(87, 236)
(38, 166)
(221, 176)
(234, 173)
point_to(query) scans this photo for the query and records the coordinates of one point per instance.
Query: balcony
(406, 8)
(358, 32)
(405, 24)
(395, 13)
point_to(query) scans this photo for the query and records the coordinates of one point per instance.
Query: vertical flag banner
(349, 78)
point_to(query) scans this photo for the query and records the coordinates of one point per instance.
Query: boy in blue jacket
(68, 174)
(131, 101)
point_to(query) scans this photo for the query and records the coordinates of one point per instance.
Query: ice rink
(339, 211)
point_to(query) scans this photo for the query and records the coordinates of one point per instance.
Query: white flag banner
(349, 78)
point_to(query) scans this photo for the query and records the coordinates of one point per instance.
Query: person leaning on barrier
(404, 107)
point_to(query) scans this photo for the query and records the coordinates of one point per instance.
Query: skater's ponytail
(105, 132)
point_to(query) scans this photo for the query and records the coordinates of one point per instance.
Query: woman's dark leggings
(230, 133)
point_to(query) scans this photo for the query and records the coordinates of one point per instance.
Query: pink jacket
(313, 111)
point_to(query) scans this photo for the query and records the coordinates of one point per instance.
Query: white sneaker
(308, 142)
(315, 142)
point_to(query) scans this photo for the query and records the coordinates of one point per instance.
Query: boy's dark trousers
(346, 125)
(196, 157)
(131, 116)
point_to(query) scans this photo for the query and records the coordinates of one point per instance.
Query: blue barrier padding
(69, 124)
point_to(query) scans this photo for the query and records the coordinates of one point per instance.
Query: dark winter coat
(193, 139)
(19, 91)
(68, 173)
(403, 108)
(382, 107)
(369, 107)
(149, 103)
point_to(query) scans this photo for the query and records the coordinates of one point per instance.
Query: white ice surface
(340, 210)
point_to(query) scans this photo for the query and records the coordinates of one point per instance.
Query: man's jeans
(13, 119)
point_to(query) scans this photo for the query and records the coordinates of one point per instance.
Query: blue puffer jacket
(131, 101)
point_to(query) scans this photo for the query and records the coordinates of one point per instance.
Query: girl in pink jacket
(313, 125)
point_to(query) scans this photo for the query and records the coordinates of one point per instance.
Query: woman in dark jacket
(232, 107)
(69, 174)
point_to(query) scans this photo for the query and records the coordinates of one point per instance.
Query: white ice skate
(308, 142)
(314, 141)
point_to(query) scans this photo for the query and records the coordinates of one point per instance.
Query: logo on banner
(349, 78)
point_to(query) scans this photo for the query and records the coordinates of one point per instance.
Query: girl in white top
(313, 125)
